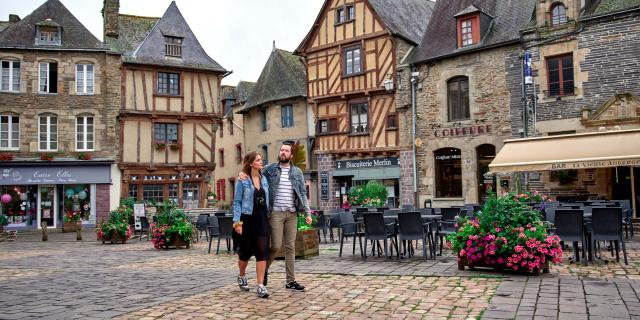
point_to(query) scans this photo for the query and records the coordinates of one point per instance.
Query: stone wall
(102, 202)
(327, 162)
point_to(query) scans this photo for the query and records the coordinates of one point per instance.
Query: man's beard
(284, 161)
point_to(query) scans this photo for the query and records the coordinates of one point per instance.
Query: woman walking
(251, 221)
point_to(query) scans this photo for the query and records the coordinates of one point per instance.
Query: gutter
(450, 55)
(52, 49)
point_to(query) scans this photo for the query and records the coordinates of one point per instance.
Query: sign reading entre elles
(595, 164)
(367, 163)
(55, 175)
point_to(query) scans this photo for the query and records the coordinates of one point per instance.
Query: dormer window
(48, 33)
(558, 14)
(345, 14)
(173, 46)
(468, 30)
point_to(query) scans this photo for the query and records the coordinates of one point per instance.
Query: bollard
(45, 236)
(79, 230)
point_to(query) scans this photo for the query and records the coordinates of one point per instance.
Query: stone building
(352, 55)
(277, 111)
(585, 61)
(231, 140)
(59, 99)
(169, 110)
(463, 94)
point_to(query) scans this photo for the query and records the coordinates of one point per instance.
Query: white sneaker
(262, 291)
(243, 284)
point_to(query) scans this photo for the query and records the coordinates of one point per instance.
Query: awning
(576, 151)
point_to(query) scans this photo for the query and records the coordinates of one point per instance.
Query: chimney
(110, 17)
(13, 18)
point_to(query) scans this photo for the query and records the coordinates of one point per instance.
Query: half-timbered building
(169, 107)
(351, 55)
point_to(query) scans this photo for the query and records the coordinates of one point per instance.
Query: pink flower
(498, 229)
(522, 235)
(532, 229)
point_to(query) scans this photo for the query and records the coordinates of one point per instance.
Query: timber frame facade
(351, 55)
(169, 109)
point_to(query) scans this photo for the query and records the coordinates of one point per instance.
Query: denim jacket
(296, 177)
(243, 197)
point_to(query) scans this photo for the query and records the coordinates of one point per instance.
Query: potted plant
(160, 146)
(211, 195)
(4, 220)
(84, 156)
(116, 229)
(372, 194)
(173, 229)
(505, 234)
(6, 156)
(46, 156)
(307, 244)
(70, 220)
(175, 146)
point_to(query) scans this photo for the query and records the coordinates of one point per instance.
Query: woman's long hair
(248, 160)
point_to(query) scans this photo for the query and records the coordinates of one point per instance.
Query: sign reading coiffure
(462, 131)
(55, 175)
(367, 163)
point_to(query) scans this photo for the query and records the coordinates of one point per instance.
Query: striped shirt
(284, 195)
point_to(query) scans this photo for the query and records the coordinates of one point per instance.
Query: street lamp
(388, 84)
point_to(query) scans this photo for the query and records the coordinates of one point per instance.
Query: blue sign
(528, 68)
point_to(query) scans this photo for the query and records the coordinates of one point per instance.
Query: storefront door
(47, 206)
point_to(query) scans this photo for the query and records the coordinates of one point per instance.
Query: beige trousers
(284, 226)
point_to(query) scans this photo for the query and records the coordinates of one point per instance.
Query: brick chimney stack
(13, 18)
(110, 16)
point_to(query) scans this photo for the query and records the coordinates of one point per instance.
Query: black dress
(254, 240)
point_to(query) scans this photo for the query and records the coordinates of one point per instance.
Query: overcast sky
(238, 34)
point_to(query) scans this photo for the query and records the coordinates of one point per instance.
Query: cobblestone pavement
(66, 279)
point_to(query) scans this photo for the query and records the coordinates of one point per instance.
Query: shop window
(9, 132)
(10, 76)
(560, 73)
(173, 193)
(558, 14)
(458, 99)
(77, 201)
(48, 133)
(133, 191)
(485, 154)
(153, 192)
(22, 205)
(48, 78)
(169, 83)
(84, 133)
(287, 116)
(190, 195)
(359, 118)
(448, 173)
(84, 79)
(166, 132)
(352, 61)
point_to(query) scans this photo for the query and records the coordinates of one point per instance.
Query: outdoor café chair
(570, 228)
(375, 229)
(202, 224)
(411, 227)
(144, 227)
(607, 226)
(214, 230)
(447, 224)
(322, 224)
(226, 232)
(627, 215)
(349, 228)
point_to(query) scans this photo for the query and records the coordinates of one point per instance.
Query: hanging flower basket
(175, 146)
(6, 156)
(160, 146)
(84, 156)
(47, 156)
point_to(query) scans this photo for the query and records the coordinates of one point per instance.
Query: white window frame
(84, 90)
(86, 141)
(48, 77)
(48, 141)
(10, 132)
(12, 81)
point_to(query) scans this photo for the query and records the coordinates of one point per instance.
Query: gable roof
(440, 38)
(151, 50)
(132, 30)
(404, 18)
(609, 6)
(282, 77)
(244, 90)
(74, 34)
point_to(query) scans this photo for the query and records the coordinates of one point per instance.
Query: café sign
(55, 175)
(595, 164)
(368, 163)
(463, 131)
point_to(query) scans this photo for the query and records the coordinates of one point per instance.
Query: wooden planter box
(177, 242)
(69, 226)
(462, 263)
(306, 244)
(114, 237)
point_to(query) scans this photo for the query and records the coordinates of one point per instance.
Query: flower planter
(177, 243)
(306, 244)
(462, 263)
(114, 237)
(70, 226)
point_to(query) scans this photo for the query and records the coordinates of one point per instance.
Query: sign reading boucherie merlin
(367, 163)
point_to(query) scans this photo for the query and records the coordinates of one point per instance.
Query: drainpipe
(414, 86)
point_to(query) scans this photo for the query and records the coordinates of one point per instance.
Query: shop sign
(368, 163)
(463, 131)
(595, 164)
(55, 175)
(448, 157)
(138, 212)
(324, 185)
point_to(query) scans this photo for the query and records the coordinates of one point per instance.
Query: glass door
(47, 206)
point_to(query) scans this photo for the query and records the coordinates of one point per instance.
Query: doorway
(621, 185)
(47, 206)
(485, 153)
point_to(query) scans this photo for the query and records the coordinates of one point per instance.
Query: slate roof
(609, 6)
(405, 18)
(132, 30)
(4, 25)
(282, 77)
(151, 50)
(440, 38)
(228, 93)
(244, 90)
(74, 34)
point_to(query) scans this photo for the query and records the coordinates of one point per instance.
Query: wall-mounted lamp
(457, 124)
(388, 84)
(435, 125)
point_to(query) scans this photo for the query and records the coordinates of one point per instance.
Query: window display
(77, 203)
(19, 204)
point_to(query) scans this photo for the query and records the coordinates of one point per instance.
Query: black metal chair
(408, 207)
(226, 232)
(447, 224)
(570, 228)
(144, 227)
(627, 216)
(382, 209)
(375, 229)
(214, 230)
(411, 227)
(334, 222)
(322, 224)
(607, 226)
(202, 224)
(349, 228)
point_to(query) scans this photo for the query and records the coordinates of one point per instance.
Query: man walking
(287, 197)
